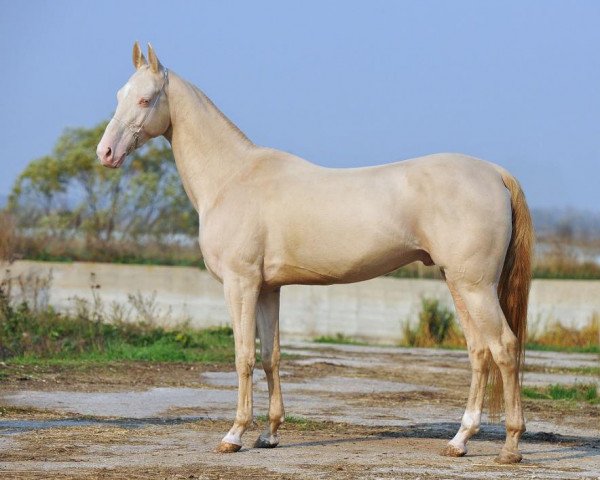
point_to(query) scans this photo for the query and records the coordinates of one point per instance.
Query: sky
(340, 83)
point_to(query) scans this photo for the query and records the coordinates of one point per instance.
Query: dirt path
(356, 412)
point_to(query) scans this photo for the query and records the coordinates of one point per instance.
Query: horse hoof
(454, 451)
(506, 457)
(225, 447)
(264, 442)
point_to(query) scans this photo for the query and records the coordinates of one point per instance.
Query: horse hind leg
(483, 306)
(479, 356)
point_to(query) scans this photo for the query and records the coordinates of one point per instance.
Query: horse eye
(144, 102)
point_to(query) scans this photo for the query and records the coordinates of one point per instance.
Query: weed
(437, 327)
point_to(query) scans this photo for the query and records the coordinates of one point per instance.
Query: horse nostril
(108, 151)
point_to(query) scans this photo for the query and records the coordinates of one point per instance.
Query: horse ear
(138, 57)
(155, 65)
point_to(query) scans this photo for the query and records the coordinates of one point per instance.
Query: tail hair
(513, 288)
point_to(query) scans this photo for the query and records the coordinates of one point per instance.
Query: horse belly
(325, 260)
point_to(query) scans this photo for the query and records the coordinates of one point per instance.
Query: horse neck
(208, 148)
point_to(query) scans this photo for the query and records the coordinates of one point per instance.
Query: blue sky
(341, 83)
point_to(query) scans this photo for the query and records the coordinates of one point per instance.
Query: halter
(136, 129)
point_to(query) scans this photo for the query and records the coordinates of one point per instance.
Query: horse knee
(506, 363)
(244, 364)
(479, 356)
(505, 352)
(270, 362)
(267, 366)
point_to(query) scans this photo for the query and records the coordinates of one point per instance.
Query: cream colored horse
(269, 218)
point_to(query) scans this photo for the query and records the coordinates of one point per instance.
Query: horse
(269, 219)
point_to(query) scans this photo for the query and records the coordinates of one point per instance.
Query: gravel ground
(357, 412)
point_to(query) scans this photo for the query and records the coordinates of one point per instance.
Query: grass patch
(562, 348)
(338, 338)
(32, 331)
(299, 423)
(213, 345)
(591, 371)
(576, 393)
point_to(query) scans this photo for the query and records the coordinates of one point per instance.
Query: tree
(69, 193)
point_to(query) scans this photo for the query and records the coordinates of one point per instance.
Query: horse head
(142, 110)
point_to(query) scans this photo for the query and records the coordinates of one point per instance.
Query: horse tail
(513, 288)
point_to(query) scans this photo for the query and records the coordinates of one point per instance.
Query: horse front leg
(241, 295)
(268, 331)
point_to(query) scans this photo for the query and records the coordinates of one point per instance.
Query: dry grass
(45, 248)
(557, 336)
(557, 266)
(567, 257)
(19, 412)
(71, 444)
(7, 238)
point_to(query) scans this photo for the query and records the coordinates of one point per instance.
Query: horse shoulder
(231, 236)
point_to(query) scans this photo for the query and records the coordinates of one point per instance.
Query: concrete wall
(374, 310)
